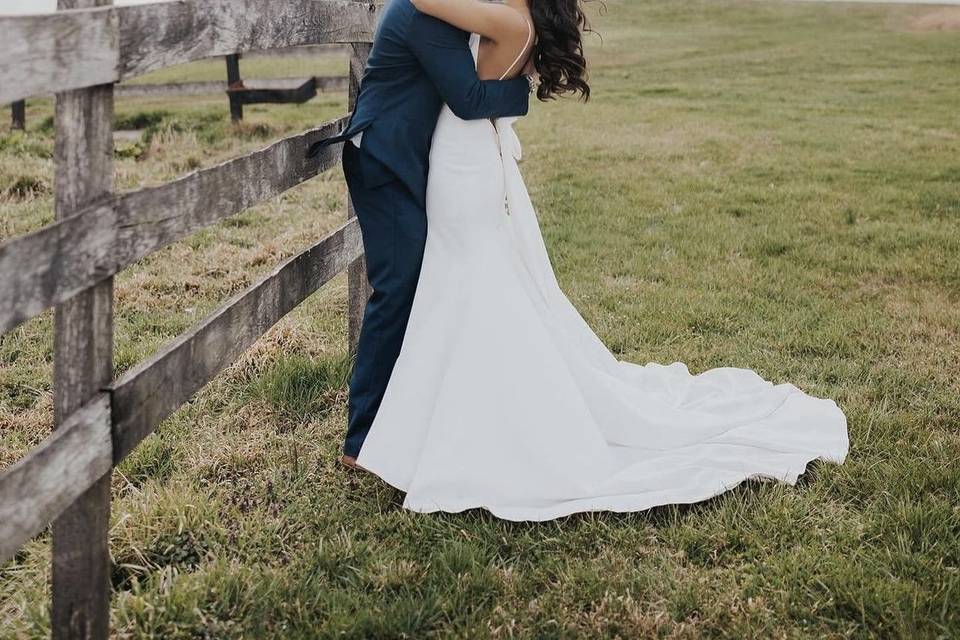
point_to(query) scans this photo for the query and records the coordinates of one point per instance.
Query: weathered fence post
(83, 361)
(358, 288)
(18, 113)
(234, 81)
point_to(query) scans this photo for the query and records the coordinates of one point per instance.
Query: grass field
(764, 185)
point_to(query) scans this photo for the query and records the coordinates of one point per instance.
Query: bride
(502, 397)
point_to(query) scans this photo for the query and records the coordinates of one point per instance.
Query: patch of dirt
(944, 19)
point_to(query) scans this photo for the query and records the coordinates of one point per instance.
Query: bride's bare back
(506, 31)
(500, 61)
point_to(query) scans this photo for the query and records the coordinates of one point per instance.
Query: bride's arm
(491, 20)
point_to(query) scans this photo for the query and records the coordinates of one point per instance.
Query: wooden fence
(239, 91)
(80, 52)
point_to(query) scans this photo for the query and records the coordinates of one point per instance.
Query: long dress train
(504, 398)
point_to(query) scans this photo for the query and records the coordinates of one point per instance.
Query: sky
(8, 7)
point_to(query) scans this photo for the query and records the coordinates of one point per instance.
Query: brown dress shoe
(350, 462)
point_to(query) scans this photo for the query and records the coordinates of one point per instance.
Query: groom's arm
(443, 52)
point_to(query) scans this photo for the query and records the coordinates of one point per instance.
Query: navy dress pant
(394, 227)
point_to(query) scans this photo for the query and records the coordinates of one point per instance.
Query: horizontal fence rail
(150, 392)
(41, 485)
(51, 264)
(86, 47)
(37, 488)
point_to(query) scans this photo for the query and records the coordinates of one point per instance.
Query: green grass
(765, 185)
(300, 388)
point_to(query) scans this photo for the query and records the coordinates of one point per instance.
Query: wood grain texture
(82, 362)
(79, 53)
(150, 392)
(38, 487)
(82, 48)
(58, 51)
(358, 286)
(159, 35)
(54, 263)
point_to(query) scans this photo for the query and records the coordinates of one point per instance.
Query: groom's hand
(530, 73)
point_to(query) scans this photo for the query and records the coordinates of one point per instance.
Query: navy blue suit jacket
(418, 63)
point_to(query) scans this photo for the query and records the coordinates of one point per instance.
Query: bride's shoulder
(498, 21)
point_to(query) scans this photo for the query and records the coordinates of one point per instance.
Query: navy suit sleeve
(444, 53)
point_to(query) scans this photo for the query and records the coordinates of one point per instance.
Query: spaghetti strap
(522, 51)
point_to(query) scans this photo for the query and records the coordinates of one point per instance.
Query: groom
(417, 64)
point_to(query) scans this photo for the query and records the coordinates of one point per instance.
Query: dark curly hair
(558, 55)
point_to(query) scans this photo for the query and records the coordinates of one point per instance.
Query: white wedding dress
(504, 399)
